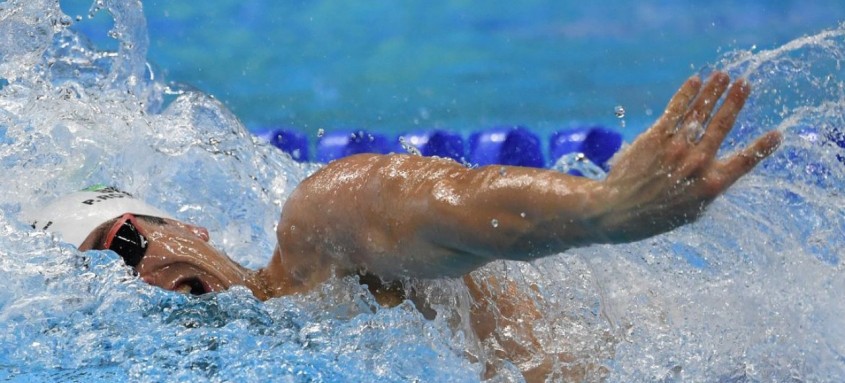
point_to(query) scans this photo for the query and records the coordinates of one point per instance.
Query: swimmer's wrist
(608, 221)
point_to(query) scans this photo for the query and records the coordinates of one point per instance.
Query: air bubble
(494, 223)
(321, 132)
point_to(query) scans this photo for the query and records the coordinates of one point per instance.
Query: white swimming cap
(75, 216)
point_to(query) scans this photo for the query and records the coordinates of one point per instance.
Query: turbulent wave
(749, 293)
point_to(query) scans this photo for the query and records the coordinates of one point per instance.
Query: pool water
(748, 293)
(393, 67)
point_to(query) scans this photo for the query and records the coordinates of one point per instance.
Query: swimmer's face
(178, 256)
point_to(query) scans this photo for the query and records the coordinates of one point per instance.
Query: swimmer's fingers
(678, 106)
(723, 121)
(710, 94)
(741, 163)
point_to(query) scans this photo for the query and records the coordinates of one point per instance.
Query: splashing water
(749, 293)
(409, 147)
(578, 162)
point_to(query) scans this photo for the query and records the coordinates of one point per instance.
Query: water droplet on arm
(494, 223)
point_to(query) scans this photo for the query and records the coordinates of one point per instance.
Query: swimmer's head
(163, 251)
(74, 216)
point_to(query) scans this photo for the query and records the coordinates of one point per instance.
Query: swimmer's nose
(200, 232)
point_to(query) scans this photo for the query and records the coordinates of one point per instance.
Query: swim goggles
(124, 239)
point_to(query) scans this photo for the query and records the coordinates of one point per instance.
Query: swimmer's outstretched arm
(401, 215)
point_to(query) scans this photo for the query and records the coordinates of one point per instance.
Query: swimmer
(387, 217)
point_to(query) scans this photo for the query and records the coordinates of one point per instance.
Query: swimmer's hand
(669, 175)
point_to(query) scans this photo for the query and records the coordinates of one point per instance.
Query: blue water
(748, 293)
(392, 67)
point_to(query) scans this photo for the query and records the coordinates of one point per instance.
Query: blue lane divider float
(436, 142)
(509, 145)
(332, 146)
(289, 141)
(597, 144)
